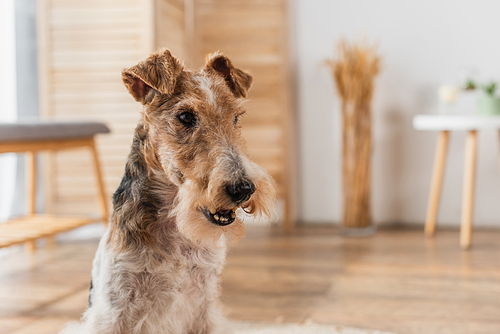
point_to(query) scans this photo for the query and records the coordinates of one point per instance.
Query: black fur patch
(135, 205)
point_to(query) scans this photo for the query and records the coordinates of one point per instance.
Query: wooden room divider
(84, 45)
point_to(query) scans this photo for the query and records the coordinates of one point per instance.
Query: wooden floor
(397, 281)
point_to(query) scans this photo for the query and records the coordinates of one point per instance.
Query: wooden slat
(96, 34)
(130, 43)
(94, 16)
(25, 229)
(95, 56)
(110, 98)
(95, 4)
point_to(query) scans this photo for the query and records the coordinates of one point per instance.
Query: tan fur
(199, 159)
(238, 81)
(159, 71)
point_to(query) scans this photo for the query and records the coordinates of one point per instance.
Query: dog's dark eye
(237, 119)
(187, 119)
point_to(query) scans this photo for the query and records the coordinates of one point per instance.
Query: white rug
(270, 328)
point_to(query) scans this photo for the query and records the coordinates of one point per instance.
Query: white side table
(444, 124)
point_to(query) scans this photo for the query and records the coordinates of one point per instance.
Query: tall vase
(356, 152)
(354, 73)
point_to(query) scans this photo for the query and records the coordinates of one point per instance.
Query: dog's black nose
(240, 192)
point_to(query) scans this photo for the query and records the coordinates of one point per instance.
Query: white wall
(27, 95)
(7, 101)
(423, 44)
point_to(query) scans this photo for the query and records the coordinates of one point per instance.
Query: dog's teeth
(234, 209)
(233, 215)
(223, 219)
(216, 217)
(212, 211)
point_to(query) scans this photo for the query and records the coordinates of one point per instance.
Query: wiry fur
(157, 268)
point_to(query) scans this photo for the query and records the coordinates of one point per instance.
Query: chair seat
(39, 130)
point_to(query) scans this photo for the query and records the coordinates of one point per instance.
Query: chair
(31, 137)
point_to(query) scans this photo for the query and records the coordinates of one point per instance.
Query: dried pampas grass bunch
(354, 72)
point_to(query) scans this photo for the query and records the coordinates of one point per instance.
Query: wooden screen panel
(170, 26)
(84, 46)
(253, 33)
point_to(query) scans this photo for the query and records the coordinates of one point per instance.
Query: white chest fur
(153, 292)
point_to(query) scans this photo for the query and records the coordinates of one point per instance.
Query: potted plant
(489, 103)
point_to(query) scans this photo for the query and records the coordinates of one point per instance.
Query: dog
(188, 184)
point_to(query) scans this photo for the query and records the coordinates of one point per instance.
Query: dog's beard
(193, 224)
(193, 201)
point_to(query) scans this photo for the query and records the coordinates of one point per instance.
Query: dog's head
(193, 123)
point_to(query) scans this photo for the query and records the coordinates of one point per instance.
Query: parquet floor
(397, 281)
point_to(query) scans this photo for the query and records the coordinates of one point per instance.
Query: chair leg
(31, 245)
(31, 189)
(436, 183)
(103, 199)
(31, 178)
(468, 190)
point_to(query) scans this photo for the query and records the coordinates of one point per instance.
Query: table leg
(468, 191)
(436, 182)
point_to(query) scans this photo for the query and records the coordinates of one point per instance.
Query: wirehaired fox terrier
(188, 183)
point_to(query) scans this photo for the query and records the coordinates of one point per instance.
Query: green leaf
(490, 88)
(469, 85)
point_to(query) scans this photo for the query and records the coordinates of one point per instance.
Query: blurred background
(62, 60)
(67, 66)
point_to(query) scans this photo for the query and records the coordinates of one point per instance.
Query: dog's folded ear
(159, 72)
(238, 81)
